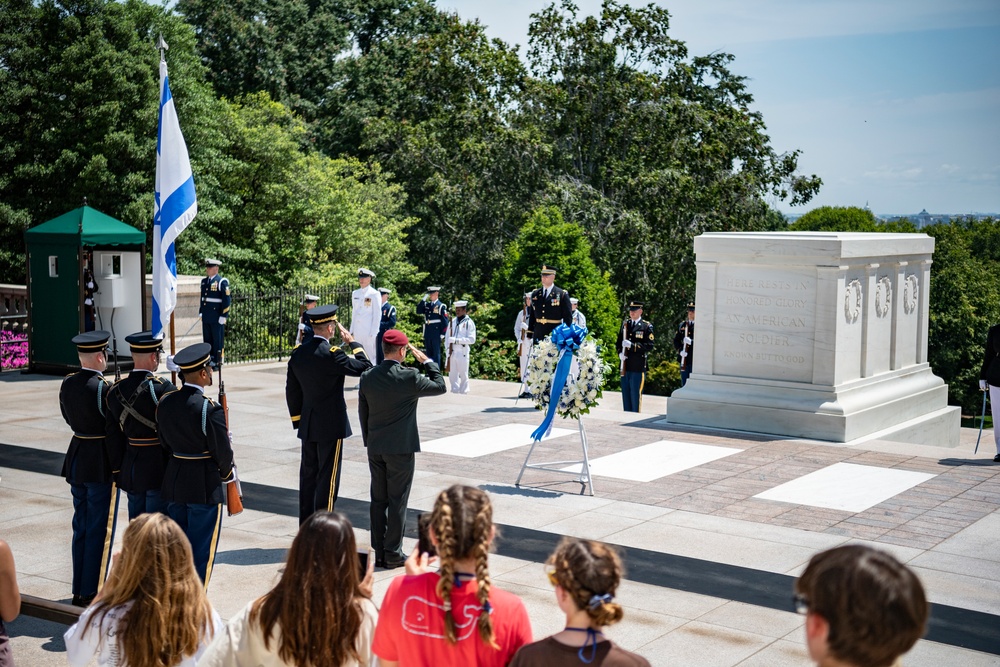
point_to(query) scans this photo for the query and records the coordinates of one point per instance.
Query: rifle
(447, 363)
(234, 492)
(520, 345)
(684, 346)
(624, 349)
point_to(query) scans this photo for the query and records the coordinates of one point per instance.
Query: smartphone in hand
(423, 534)
(363, 556)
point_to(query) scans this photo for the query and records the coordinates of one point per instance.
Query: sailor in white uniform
(366, 312)
(461, 336)
(579, 319)
(520, 335)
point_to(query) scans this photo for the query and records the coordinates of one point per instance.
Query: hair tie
(447, 605)
(597, 600)
(487, 607)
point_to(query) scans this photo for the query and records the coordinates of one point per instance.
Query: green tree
(836, 219)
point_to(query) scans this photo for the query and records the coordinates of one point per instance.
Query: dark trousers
(319, 477)
(432, 343)
(379, 355)
(95, 513)
(684, 377)
(392, 477)
(145, 502)
(632, 391)
(202, 524)
(213, 333)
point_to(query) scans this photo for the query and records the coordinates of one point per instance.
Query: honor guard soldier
(314, 392)
(388, 321)
(635, 340)
(684, 344)
(579, 319)
(366, 311)
(305, 332)
(214, 308)
(193, 430)
(132, 408)
(461, 336)
(523, 342)
(550, 307)
(88, 466)
(435, 322)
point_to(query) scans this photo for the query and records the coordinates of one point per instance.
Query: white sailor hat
(461, 304)
(211, 261)
(574, 300)
(384, 290)
(309, 298)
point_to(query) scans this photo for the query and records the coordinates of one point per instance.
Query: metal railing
(13, 327)
(263, 324)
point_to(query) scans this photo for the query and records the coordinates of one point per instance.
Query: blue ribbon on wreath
(567, 338)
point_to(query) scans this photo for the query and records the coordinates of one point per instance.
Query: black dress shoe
(83, 601)
(391, 563)
(380, 562)
(525, 394)
(996, 459)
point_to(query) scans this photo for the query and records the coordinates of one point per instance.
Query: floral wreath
(579, 394)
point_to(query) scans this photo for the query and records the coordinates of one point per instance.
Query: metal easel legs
(582, 475)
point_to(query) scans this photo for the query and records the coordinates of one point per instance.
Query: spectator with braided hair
(454, 616)
(586, 575)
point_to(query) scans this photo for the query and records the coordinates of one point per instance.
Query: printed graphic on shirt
(418, 611)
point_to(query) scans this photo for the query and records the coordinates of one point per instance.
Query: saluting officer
(435, 322)
(461, 336)
(305, 332)
(635, 340)
(684, 344)
(88, 466)
(314, 392)
(366, 311)
(132, 406)
(214, 308)
(388, 321)
(193, 430)
(550, 307)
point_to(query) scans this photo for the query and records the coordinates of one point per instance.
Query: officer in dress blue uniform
(684, 344)
(435, 322)
(88, 466)
(132, 409)
(635, 340)
(214, 308)
(314, 393)
(550, 307)
(193, 430)
(388, 322)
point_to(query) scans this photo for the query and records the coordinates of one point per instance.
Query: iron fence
(13, 327)
(263, 324)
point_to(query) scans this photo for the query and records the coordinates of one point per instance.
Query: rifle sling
(129, 411)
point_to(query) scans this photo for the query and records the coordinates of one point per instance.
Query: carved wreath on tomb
(852, 301)
(910, 294)
(883, 296)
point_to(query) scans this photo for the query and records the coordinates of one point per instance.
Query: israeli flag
(175, 208)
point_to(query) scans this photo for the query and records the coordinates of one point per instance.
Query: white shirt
(461, 333)
(100, 642)
(579, 318)
(366, 313)
(522, 318)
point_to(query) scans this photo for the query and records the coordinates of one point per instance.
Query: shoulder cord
(100, 399)
(204, 417)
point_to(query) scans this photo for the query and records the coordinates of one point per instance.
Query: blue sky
(894, 103)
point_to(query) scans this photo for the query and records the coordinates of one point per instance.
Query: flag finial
(161, 44)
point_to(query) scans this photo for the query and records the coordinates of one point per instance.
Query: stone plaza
(714, 524)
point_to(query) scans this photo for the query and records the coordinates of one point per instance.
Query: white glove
(302, 326)
(171, 366)
(88, 302)
(983, 386)
(687, 340)
(684, 354)
(90, 284)
(230, 437)
(425, 298)
(621, 357)
(222, 320)
(524, 326)
(626, 344)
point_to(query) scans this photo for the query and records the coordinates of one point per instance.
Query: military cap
(635, 305)
(433, 288)
(365, 273)
(194, 357)
(574, 300)
(461, 304)
(143, 341)
(211, 261)
(322, 314)
(92, 341)
(384, 290)
(549, 270)
(309, 298)
(691, 306)
(395, 337)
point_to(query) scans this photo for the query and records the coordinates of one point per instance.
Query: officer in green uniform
(193, 430)
(635, 340)
(88, 466)
(132, 406)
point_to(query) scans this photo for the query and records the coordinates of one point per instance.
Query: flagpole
(173, 349)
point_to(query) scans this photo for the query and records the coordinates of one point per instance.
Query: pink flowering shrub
(13, 349)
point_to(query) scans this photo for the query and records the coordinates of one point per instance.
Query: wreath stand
(583, 477)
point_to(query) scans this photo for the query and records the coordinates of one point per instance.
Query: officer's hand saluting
(417, 354)
(345, 335)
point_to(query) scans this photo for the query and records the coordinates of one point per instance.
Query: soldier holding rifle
(684, 344)
(635, 340)
(193, 430)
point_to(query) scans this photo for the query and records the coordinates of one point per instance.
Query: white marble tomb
(815, 334)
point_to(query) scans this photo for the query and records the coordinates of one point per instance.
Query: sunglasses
(800, 603)
(553, 579)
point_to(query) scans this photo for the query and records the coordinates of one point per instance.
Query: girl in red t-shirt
(454, 616)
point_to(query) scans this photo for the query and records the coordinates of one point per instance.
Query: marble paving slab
(655, 460)
(846, 486)
(488, 440)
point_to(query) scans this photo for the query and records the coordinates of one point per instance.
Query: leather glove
(983, 386)
(684, 354)
(171, 366)
(222, 320)
(626, 344)
(687, 340)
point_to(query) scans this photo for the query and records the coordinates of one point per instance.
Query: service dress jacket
(548, 312)
(990, 370)
(314, 388)
(640, 334)
(135, 441)
(83, 403)
(387, 405)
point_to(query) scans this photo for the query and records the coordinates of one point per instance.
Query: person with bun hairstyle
(586, 575)
(454, 616)
(319, 613)
(152, 612)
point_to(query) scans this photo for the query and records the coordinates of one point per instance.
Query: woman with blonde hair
(152, 611)
(318, 615)
(454, 616)
(586, 575)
